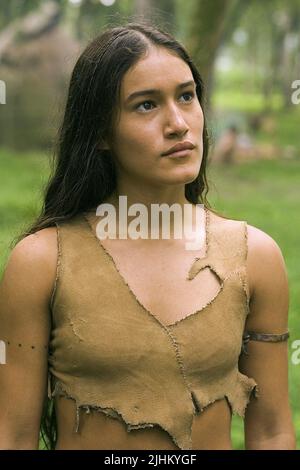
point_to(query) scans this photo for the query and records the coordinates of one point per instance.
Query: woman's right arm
(25, 324)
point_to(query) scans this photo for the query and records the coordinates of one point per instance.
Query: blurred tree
(92, 16)
(141, 6)
(210, 24)
(235, 12)
(288, 63)
(272, 68)
(10, 10)
(36, 69)
(161, 12)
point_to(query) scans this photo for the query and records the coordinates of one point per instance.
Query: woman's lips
(180, 146)
(179, 154)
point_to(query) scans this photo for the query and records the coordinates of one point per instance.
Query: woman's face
(152, 122)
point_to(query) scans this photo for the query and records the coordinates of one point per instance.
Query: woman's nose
(175, 122)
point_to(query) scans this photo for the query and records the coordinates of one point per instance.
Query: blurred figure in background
(226, 146)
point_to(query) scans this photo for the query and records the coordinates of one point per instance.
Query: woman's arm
(268, 420)
(25, 291)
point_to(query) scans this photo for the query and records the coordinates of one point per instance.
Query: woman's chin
(184, 176)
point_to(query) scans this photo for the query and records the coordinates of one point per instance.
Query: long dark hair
(83, 175)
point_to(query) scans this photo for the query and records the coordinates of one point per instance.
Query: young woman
(144, 344)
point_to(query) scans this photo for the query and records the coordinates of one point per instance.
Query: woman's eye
(148, 105)
(145, 105)
(190, 94)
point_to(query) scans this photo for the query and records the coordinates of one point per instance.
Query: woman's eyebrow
(152, 91)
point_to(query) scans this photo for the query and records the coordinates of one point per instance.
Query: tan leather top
(109, 353)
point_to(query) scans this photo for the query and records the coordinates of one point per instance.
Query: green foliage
(22, 177)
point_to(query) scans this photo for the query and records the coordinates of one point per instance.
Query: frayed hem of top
(59, 390)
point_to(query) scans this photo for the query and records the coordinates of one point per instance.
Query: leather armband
(267, 337)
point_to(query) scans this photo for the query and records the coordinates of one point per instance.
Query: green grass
(22, 177)
(237, 100)
(265, 193)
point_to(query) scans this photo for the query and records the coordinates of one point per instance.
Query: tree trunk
(207, 26)
(161, 12)
(143, 6)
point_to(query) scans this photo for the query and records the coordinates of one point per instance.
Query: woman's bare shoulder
(34, 258)
(39, 246)
(265, 260)
(260, 241)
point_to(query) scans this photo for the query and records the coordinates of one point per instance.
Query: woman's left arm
(268, 419)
